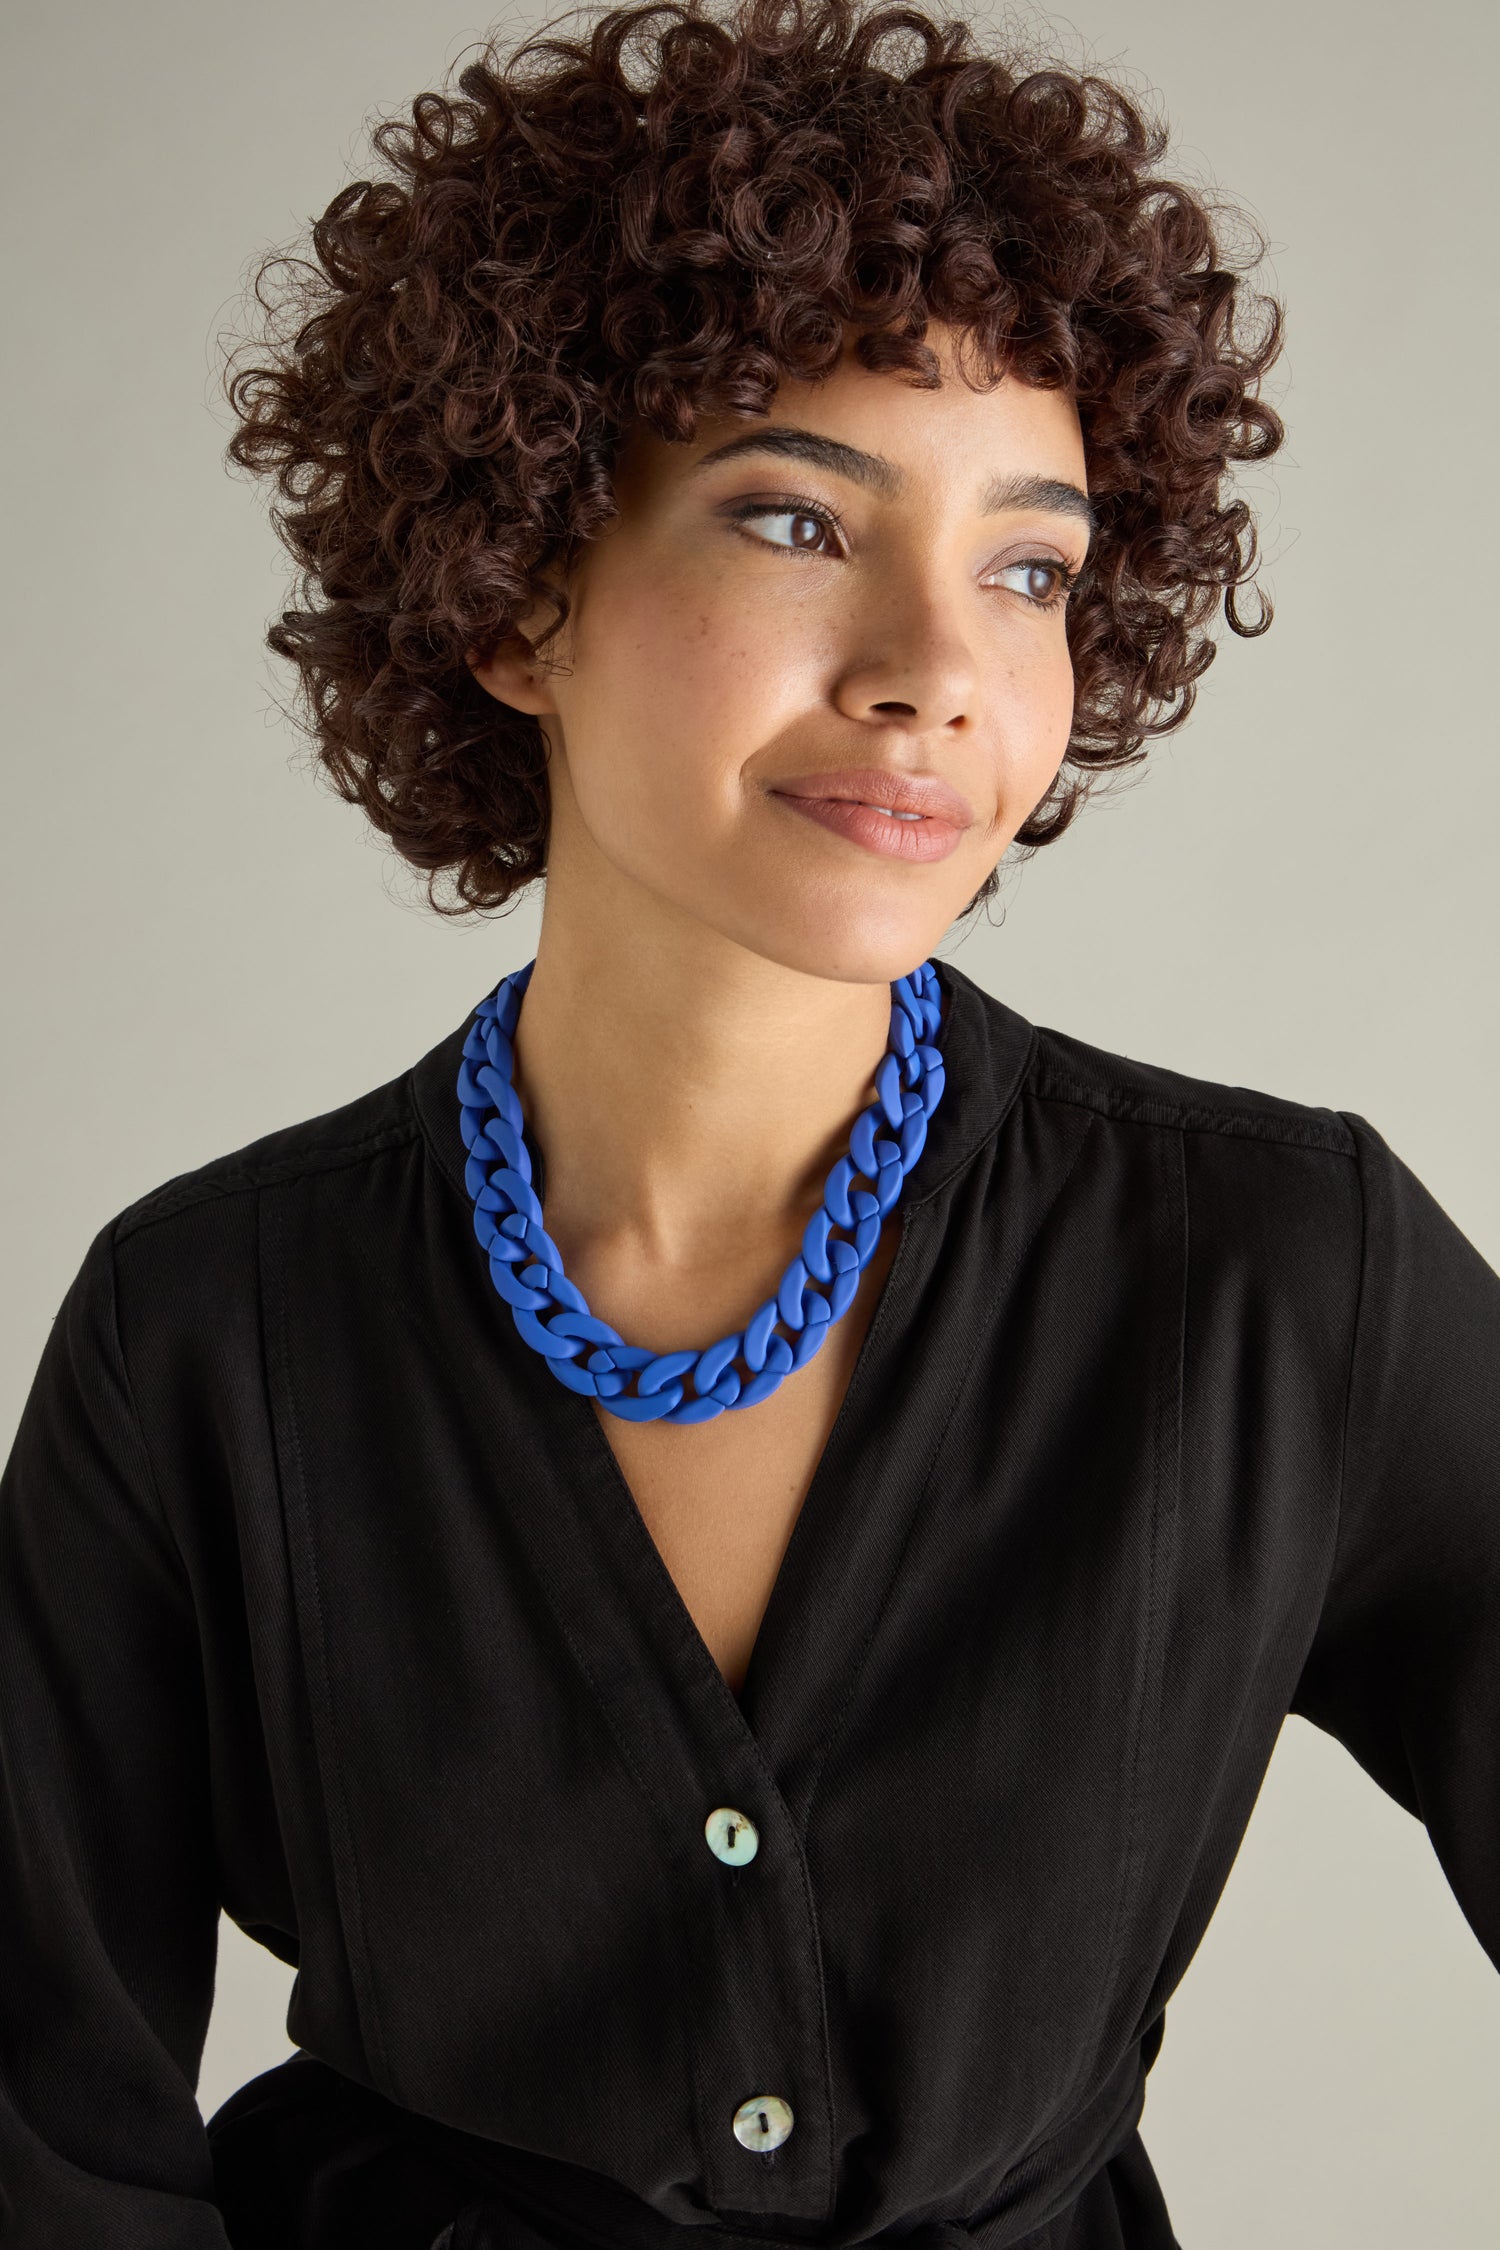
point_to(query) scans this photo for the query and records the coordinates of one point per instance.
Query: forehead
(951, 437)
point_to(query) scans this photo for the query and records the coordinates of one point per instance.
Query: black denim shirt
(321, 1601)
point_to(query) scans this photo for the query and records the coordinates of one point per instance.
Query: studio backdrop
(1300, 892)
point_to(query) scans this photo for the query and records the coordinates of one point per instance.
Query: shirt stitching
(1166, 1491)
(1357, 1332)
(1144, 1109)
(857, 1669)
(230, 1179)
(320, 1683)
(153, 1482)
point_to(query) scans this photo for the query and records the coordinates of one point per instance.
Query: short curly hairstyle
(665, 216)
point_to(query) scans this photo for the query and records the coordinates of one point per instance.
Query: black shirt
(324, 1602)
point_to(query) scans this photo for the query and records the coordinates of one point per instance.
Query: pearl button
(731, 1837)
(762, 2122)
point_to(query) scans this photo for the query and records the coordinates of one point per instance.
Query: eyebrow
(877, 474)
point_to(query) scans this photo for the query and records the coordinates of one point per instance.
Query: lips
(923, 793)
(907, 816)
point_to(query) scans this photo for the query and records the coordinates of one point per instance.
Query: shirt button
(762, 2122)
(731, 1837)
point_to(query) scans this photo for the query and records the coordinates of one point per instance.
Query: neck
(688, 1097)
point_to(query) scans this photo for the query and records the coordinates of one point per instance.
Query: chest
(721, 1499)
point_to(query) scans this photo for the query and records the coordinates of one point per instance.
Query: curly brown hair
(665, 216)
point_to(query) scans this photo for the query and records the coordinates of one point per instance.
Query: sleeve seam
(1356, 1342)
(158, 1504)
(1184, 1117)
(190, 1188)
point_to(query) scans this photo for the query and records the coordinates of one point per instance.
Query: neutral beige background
(201, 945)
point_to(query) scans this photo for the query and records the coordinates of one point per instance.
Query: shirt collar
(986, 1050)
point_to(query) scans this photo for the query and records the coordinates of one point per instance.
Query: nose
(914, 666)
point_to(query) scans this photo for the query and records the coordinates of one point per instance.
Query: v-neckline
(676, 1722)
(785, 1613)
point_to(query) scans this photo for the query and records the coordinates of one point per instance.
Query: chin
(848, 947)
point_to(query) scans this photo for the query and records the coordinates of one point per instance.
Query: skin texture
(710, 995)
(711, 991)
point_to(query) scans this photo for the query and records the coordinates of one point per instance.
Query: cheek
(674, 687)
(1033, 701)
(1058, 714)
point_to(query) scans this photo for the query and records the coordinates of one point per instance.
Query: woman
(734, 1660)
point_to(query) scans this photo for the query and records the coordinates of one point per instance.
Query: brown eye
(1043, 583)
(808, 531)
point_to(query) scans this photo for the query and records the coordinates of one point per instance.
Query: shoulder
(351, 1134)
(1065, 1069)
(1270, 1195)
(1050, 1066)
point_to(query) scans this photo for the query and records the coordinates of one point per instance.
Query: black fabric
(321, 1601)
(304, 2159)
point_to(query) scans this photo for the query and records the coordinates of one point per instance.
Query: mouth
(909, 816)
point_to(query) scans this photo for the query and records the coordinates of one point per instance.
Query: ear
(514, 674)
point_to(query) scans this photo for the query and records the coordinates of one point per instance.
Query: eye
(1039, 579)
(809, 530)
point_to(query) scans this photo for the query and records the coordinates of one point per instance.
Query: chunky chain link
(817, 1288)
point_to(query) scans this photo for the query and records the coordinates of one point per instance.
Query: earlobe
(512, 675)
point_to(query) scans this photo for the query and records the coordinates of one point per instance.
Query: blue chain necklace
(691, 1386)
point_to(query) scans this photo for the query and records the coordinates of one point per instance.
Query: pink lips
(848, 801)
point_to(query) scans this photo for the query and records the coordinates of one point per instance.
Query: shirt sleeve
(108, 1900)
(1405, 1665)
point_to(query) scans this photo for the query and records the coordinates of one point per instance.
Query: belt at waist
(305, 2155)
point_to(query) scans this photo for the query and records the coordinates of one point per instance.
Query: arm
(108, 1901)
(1405, 1666)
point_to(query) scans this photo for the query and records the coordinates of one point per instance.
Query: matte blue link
(662, 1371)
(519, 1190)
(550, 1312)
(758, 1387)
(862, 1143)
(564, 1291)
(888, 1087)
(515, 1293)
(542, 1339)
(836, 1194)
(578, 1378)
(789, 1295)
(888, 1188)
(778, 1357)
(815, 1244)
(696, 1410)
(712, 1363)
(757, 1336)
(585, 1325)
(909, 1006)
(811, 1340)
(631, 1355)
(647, 1409)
